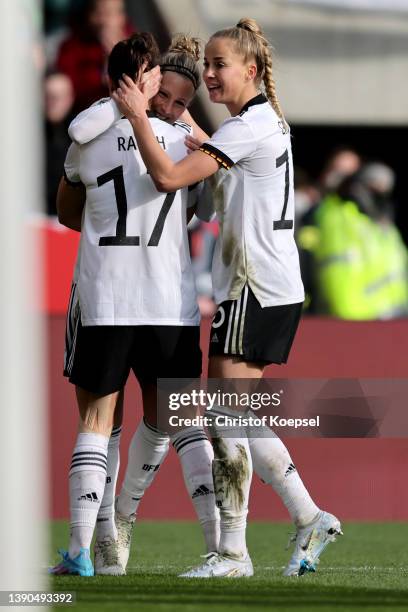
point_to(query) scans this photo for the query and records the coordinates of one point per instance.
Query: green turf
(367, 569)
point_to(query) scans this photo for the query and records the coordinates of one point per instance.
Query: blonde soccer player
(256, 276)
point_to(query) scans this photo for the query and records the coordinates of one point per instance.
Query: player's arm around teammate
(258, 316)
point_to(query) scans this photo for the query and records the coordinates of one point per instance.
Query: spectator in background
(307, 194)
(58, 103)
(83, 55)
(342, 162)
(359, 261)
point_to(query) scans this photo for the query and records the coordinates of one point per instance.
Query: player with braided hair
(256, 278)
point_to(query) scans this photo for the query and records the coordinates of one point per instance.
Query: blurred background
(340, 67)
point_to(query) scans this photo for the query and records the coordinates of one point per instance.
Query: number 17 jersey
(134, 266)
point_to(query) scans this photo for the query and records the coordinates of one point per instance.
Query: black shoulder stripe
(184, 126)
(183, 123)
(218, 155)
(72, 183)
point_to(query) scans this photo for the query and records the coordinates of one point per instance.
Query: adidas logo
(214, 338)
(290, 469)
(89, 497)
(202, 490)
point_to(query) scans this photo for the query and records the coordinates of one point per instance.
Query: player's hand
(150, 82)
(192, 143)
(130, 100)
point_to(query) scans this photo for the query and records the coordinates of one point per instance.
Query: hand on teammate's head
(130, 99)
(150, 82)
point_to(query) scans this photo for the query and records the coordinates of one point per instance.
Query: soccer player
(256, 276)
(137, 306)
(180, 80)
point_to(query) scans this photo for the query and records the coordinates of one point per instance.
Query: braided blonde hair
(250, 42)
(182, 57)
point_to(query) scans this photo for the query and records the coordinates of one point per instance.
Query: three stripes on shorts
(235, 330)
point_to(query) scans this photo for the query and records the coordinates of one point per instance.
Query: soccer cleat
(310, 542)
(219, 566)
(81, 565)
(124, 526)
(107, 561)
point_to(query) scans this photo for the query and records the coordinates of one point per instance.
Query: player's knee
(96, 420)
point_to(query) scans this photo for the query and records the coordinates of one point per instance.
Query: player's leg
(106, 530)
(147, 451)
(232, 475)
(314, 527)
(182, 363)
(271, 459)
(87, 478)
(196, 456)
(105, 525)
(273, 464)
(98, 369)
(267, 335)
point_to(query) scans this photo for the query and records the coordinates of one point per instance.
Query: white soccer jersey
(102, 115)
(134, 266)
(254, 200)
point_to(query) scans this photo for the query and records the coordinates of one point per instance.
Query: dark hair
(182, 57)
(128, 56)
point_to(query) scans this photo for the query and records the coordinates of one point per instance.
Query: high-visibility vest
(360, 264)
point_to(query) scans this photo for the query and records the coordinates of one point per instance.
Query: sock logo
(214, 338)
(290, 469)
(108, 480)
(202, 490)
(92, 497)
(150, 468)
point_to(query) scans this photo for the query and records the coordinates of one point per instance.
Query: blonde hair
(250, 42)
(182, 57)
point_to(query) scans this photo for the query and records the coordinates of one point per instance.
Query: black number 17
(121, 238)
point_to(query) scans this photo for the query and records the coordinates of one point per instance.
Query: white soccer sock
(232, 473)
(147, 451)
(196, 456)
(274, 466)
(105, 523)
(87, 478)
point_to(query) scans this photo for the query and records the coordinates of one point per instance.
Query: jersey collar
(259, 99)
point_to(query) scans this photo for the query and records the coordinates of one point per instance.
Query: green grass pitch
(367, 569)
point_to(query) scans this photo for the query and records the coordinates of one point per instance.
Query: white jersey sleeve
(93, 121)
(71, 165)
(199, 195)
(232, 142)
